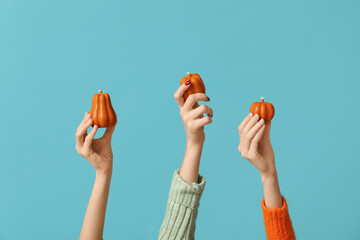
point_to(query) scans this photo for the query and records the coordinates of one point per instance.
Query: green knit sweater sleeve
(182, 208)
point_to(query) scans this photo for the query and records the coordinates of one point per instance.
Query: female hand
(255, 144)
(97, 151)
(192, 114)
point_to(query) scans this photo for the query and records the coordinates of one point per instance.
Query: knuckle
(202, 108)
(242, 131)
(191, 97)
(84, 154)
(182, 114)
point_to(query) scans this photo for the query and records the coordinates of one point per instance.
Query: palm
(255, 143)
(97, 151)
(100, 153)
(102, 148)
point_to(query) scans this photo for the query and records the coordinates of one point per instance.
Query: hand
(255, 144)
(97, 151)
(192, 114)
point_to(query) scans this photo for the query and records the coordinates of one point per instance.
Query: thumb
(268, 126)
(109, 132)
(267, 130)
(90, 137)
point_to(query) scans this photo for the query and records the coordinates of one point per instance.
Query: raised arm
(194, 121)
(99, 153)
(187, 185)
(255, 146)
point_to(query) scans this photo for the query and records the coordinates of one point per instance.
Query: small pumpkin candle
(102, 112)
(264, 109)
(197, 85)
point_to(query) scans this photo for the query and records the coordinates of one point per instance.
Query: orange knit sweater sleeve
(277, 222)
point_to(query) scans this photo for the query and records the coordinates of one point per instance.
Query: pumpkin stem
(100, 91)
(262, 99)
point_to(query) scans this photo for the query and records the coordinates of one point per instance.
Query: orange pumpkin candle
(264, 109)
(102, 112)
(197, 85)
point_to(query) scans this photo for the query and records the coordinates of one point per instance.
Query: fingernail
(256, 115)
(187, 83)
(261, 121)
(250, 114)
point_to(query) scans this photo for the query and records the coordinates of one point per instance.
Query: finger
(267, 127)
(81, 131)
(252, 132)
(256, 139)
(193, 98)
(199, 111)
(109, 132)
(179, 94)
(85, 119)
(266, 135)
(90, 137)
(244, 122)
(202, 122)
(250, 124)
(247, 136)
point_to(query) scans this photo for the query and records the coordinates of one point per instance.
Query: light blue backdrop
(303, 56)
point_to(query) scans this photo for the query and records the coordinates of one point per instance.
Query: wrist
(269, 177)
(194, 147)
(107, 173)
(270, 171)
(194, 143)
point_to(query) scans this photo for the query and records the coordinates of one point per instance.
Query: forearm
(189, 170)
(272, 194)
(275, 210)
(93, 224)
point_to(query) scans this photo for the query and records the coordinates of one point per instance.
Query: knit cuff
(185, 194)
(277, 222)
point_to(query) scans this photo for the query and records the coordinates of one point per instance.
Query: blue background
(303, 56)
